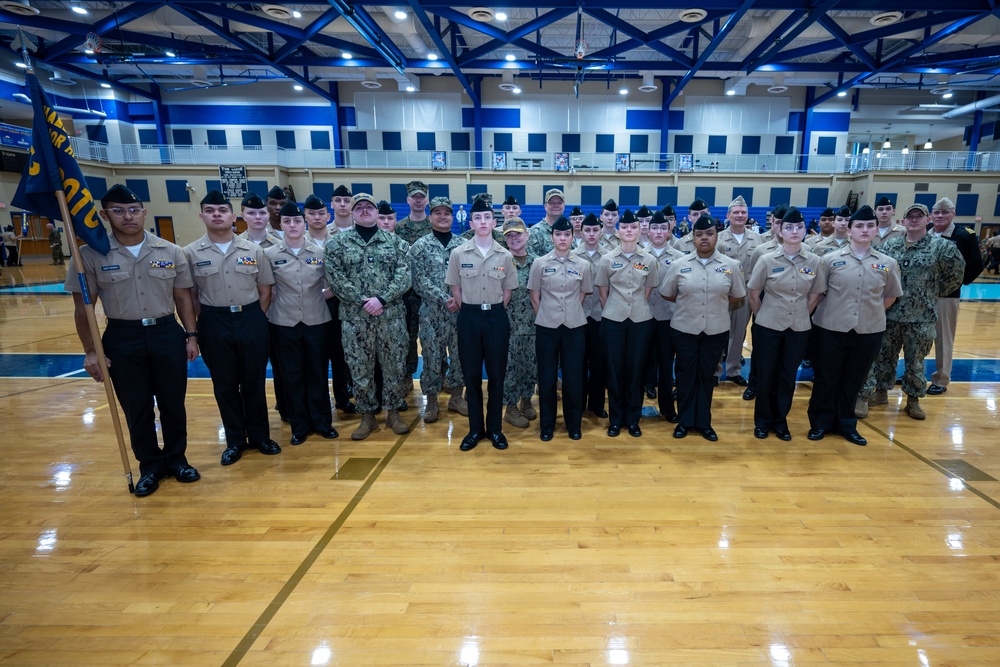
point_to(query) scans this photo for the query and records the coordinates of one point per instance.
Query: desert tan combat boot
(525, 409)
(514, 417)
(913, 408)
(879, 397)
(431, 409)
(364, 429)
(861, 407)
(396, 423)
(457, 404)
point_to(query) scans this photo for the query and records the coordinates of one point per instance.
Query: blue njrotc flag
(52, 167)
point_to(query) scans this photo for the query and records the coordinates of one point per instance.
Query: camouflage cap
(441, 201)
(554, 192)
(362, 196)
(416, 187)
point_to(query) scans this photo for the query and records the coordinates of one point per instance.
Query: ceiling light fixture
(906, 150)
(346, 56)
(297, 87)
(510, 57)
(947, 96)
(105, 85)
(432, 56)
(78, 9)
(501, 16)
(89, 52)
(400, 14)
(887, 143)
(22, 65)
(623, 91)
(296, 14)
(865, 150)
(410, 89)
(842, 93)
(516, 91)
(171, 54)
(928, 145)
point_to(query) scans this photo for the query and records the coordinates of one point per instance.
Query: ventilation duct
(648, 83)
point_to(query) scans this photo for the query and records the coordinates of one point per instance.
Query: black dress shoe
(749, 394)
(709, 434)
(231, 455)
(546, 436)
(855, 438)
(782, 433)
(816, 433)
(760, 432)
(575, 435)
(737, 379)
(614, 430)
(329, 434)
(471, 440)
(185, 473)
(348, 409)
(680, 431)
(650, 392)
(936, 390)
(269, 448)
(634, 430)
(499, 440)
(298, 439)
(603, 414)
(672, 417)
(147, 484)
(673, 395)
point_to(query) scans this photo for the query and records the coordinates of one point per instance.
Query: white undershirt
(295, 251)
(657, 251)
(224, 247)
(704, 260)
(882, 232)
(591, 252)
(484, 250)
(739, 237)
(134, 249)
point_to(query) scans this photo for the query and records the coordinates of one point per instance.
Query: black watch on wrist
(191, 334)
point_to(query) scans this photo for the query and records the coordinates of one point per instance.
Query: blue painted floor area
(981, 292)
(51, 288)
(71, 365)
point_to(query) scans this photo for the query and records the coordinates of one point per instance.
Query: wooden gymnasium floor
(406, 551)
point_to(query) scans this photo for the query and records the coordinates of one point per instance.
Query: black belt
(144, 322)
(482, 306)
(254, 305)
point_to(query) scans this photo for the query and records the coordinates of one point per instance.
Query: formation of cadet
(614, 304)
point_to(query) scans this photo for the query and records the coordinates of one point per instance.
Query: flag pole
(95, 333)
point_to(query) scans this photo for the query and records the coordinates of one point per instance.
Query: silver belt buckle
(148, 321)
(235, 309)
(485, 306)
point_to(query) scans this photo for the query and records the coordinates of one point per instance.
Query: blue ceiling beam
(516, 34)
(810, 17)
(369, 30)
(624, 26)
(443, 48)
(750, 62)
(723, 33)
(101, 27)
(900, 58)
(290, 46)
(841, 36)
(87, 74)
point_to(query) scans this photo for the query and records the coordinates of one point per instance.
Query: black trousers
(150, 363)
(13, 259)
(560, 349)
(235, 347)
(594, 371)
(339, 372)
(412, 303)
(301, 351)
(697, 358)
(777, 356)
(626, 345)
(663, 348)
(483, 338)
(841, 362)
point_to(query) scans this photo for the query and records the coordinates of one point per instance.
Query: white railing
(534, 161)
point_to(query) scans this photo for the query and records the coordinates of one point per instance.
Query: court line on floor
(28, 391)
(243, 647)
(936, 466)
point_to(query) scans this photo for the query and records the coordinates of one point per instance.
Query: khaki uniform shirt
(703, 292)
(786, 285)
(299, 281)
(270, 239)
(895, 232)
(591, 302)
(482, 279)
(662, 309)
(829, 244)
(627, 279)
(685, 244)
(855, 289)
(812, 239)
(228, 279)
(741, 252)
(608, 243)
(760, 251)
(560, 282)
(133, 288)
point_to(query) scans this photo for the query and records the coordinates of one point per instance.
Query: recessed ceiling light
(501, 16)
(623, 91)
(947, 96)
(78, 9)
(89, 52)
(516, 91)
(296, 14)
(730, 92)
(105, 85)
(510, 57)
(297, 87)
(842, 93)
(21, 65)
(171, 54)
(400, 14)
(346, 56)
(410, 89)
(432, 56)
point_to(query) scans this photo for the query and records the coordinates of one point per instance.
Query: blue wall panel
(286, 138)
(260, 187)
(148, 137)
(347, 116)
(183, 138)
(638, 143)
(784, 145)
(177, 191)
(717, 144)
(250, 137)
(472, 189)
(397, 193)
(320, 140)
(140, 186)
(826, 146)
(706, 193)
(751, 145)
(966, 204)
(605, 143)
(590, 195)
(746, 193)
(426, 141)
(460, 141)
(893, 197)
(796, 121)
(643, 119)
(392, 141)
(831, 121)
(996, 207)
(493, 117)
(666, 194)
(571, 143)
(357, 141)
(818, 197)
(628, 196)
(98, 187)
(683, 143)
(324, 191)
(213, 185)
(780, 196)
(363, 187)
(537, 143)
(925, 198)
(503, 141)
(437, 190)
(515, 191)
(217, 138)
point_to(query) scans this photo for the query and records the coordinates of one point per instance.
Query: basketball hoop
(93, 42)
(581, 49)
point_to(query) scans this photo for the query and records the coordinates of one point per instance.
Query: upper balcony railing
(122, 154)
